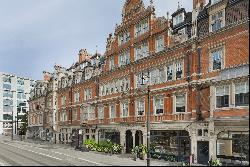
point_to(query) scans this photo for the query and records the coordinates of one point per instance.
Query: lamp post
(143, 77)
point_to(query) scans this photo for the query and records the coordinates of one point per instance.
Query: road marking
(35, 152)
(60, 154)
(91, 162)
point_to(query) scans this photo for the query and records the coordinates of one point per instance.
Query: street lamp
(143, 77)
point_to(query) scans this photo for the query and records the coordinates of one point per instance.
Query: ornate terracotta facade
(196, 64)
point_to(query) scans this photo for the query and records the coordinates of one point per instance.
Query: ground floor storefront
(183, 141)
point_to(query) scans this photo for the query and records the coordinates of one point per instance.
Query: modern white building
(14, 94)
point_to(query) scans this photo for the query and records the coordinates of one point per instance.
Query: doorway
(203, 152)
(129, 141)
(138, 138)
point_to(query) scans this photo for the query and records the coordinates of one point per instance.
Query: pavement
(40, 153)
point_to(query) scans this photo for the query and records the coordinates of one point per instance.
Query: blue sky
(37, 34)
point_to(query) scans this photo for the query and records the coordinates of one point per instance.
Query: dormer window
(178, 19)
(217, 21)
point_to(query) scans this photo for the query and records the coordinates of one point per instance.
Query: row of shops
(201, 141)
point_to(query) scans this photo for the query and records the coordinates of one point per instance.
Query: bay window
(242, 94)
(222, 96)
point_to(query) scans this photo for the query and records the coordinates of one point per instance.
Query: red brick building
(196, 68)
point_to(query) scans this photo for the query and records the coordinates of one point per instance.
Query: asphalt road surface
(20, 154)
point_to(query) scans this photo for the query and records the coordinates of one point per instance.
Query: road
(30, 153)
(17, 153)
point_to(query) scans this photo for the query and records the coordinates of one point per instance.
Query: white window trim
(154, 106)
(121, 109)
(211, 58)
(174, 103)
(229, 101)
(136, 107)
(101, 106)
(223, 19)
(234, 93)
(110, 111)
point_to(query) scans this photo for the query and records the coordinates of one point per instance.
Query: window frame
(229, 97)
(155, 107)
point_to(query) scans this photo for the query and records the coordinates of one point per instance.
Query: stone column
(133, 134)
(212, 140)
(123, 141)
(96, 135)
(193, 140)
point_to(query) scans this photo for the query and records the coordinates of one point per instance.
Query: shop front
(172, 145)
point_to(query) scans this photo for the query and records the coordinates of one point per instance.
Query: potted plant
(134, 152)
(143, 151)
(215, 162)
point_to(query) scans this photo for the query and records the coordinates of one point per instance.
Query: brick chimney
(199, 3)
(46, 76)
(83, 55)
